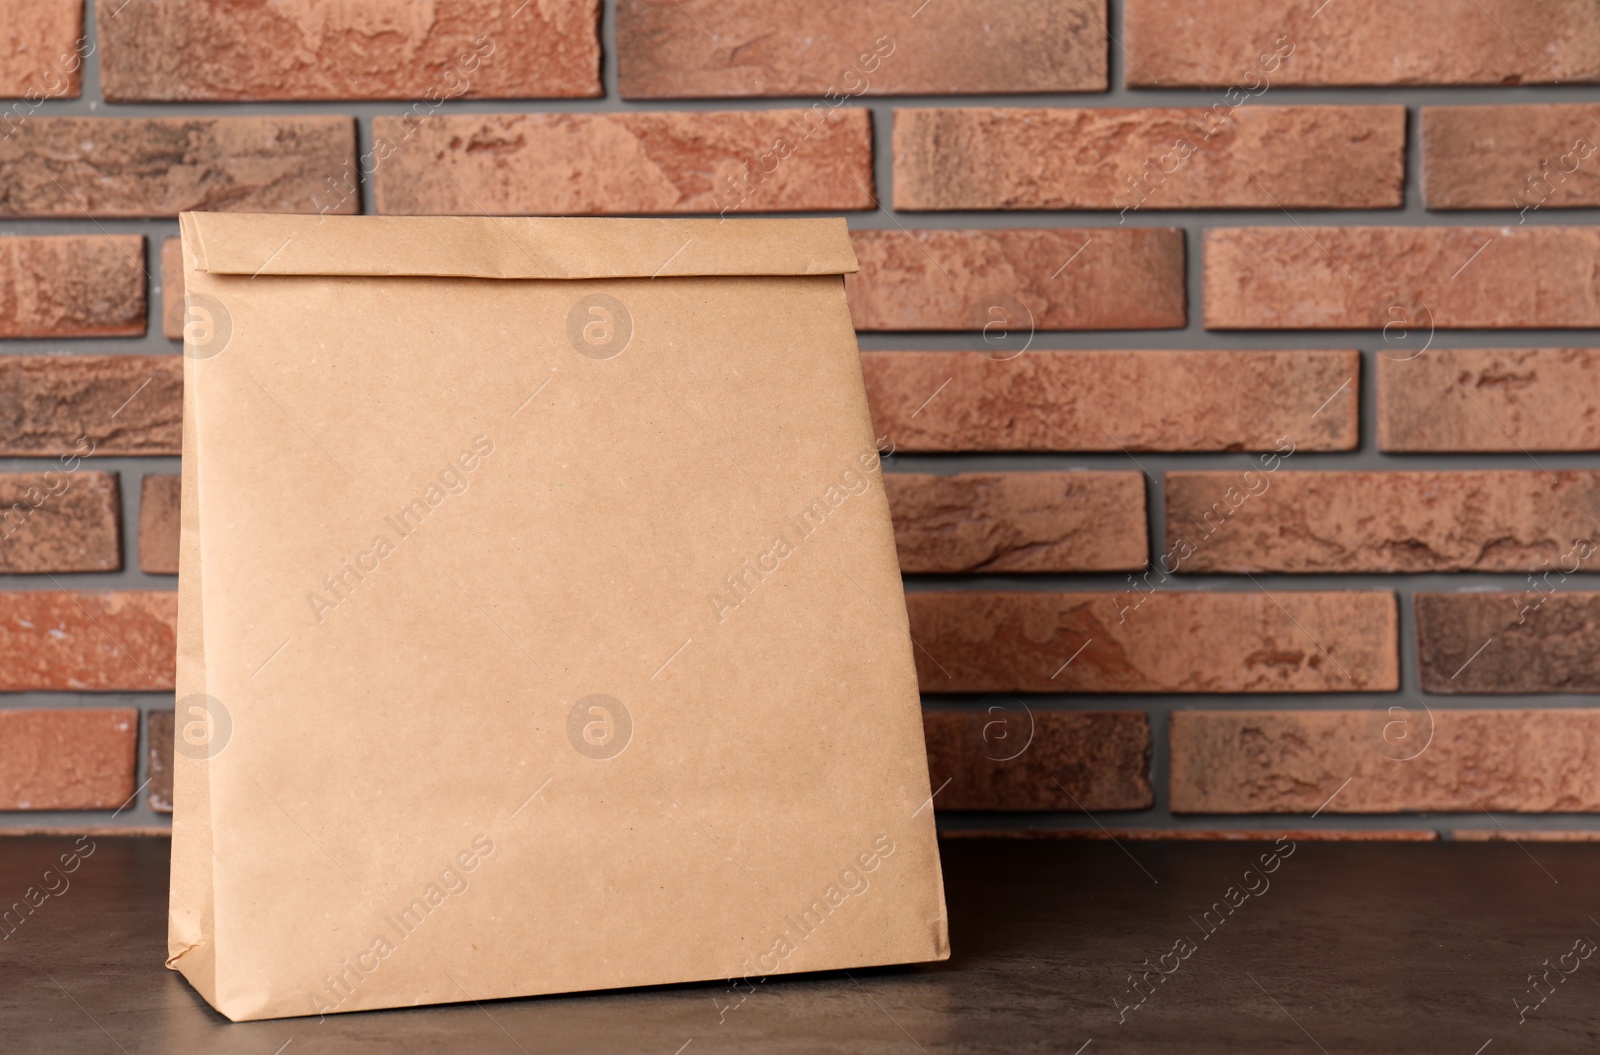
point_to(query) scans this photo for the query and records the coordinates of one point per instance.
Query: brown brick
(104, 404)
(378, 49)
(684, 49)
(1012, 757)
(1259, 835)
(67, 759)
(1545, 638)
(1056, 279)
(1506, 520)
(1260, 157)
(40, 55)
(1253, 44)
(591, 164)
(1511, 157)
(1456, 761)
(172, 288)
(158, 524)
(59, 521)
(1114, 401)
(1174, 641)
(1490, 399)
(158, 744)
(160, 166)
(1367, 278)
(61, 641)
(1018, 522)
(1522, 835)
(72, 285)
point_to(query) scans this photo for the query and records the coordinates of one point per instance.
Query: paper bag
(540, 627)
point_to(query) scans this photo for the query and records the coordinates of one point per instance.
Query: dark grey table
(1346, 947)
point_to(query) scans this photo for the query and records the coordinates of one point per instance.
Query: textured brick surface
(1112, 401)
(681, 49)
(1250, 44)
(700, 162)
(172, 288)
(1490, 399)
(1449, 761)
(107, 404)
(74, 167)
(158, 749)
(55, 521)
(1356, 278)
(1267, 835)
(1010, 757)
(71, 285)
(39, 56)
(1174, 641)
(1511, 157)
(1509, 520)
(1262, 157)
(377, 49)
(1018, 522)
(158, 524)
(1057, 279)
(68, 759)
(87, 642)
(1544, 638)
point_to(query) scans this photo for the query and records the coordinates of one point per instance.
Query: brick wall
(1239, 358)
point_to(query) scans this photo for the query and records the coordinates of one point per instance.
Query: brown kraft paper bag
(540, 626)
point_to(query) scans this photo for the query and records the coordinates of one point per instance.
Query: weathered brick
(1261, 835)
(1505, 520)
(72, 285)
(67, 759)
(1018, 522)
(87, 642)
(1114, 401)
(1523, 835)
(1250, 45)
(40, 54)
(172, 310)
(1511, 157)
(161, 166)
(682, 49)
(104, 404)
(158, 524)
(572, 163)
(1055, 279)
(1451, 761)
(158, 728)
(1367, 278)
(1490, 399)
(1171, 641)
(1011, 757)
(1544, 638)
(59, 521)
(1260, 157)
(378, 49)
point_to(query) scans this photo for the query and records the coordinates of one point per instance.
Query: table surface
(1414, 948)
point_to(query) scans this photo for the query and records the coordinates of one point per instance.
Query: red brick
(172, 310)
(59, 521)
(158, 731)
(1011, 757)
(1505, 520)
(77, 167)
(72, 285)
(104, 404)
(1262, 835)
(1544, 638)
(379, 49)
(1490, 399)
(67, 759)
(64, 641)
(1367, 278)
(1256, 44)
(1526, 761)
(1114, 401)
(1055, 279)
(1018, 522)
(1174, 641)
(158, 524)
(684, 49)
(40, 57)
(1260, 157)
(1511, 157)
(1522, 835)
(644, 161)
